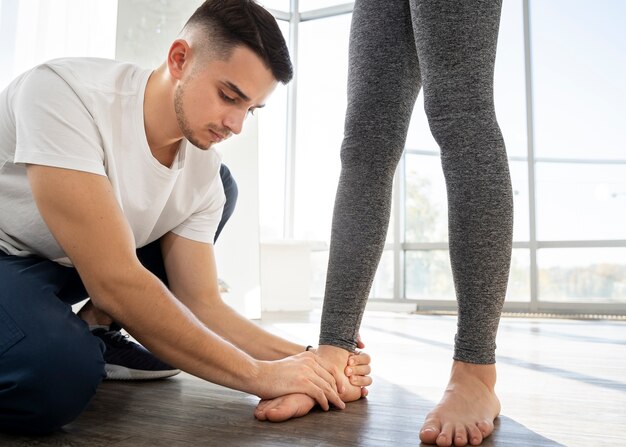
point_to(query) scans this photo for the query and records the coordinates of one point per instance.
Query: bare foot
(467, 410)
(284, 407)
(298, 405)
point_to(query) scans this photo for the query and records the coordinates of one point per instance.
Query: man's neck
(161, 127)
(167, 155)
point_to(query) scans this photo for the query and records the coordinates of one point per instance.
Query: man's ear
(178, 58)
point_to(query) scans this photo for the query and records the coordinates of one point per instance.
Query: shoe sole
(117, 372)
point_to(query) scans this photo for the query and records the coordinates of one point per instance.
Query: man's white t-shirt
(87, 114)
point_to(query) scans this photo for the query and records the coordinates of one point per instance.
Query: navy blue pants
(50, 364)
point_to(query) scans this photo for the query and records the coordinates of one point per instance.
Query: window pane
(383, 281)
(426, 212)
(272, 150)
(280, 5)
(428, 275)
(518, 288)
(582, 274)
(391, 227)
(581, 202)
(519, 180)
(323, 59)
(308, 5)
(510, 82)
(578, 75)
(419, 136)
(319, 265)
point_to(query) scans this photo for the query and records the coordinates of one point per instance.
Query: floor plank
(561, 382)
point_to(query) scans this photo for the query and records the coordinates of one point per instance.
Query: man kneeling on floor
(109, 189)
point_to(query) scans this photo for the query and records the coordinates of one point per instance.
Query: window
(35, 31)
(308, 5)
(321, 106)
(581, 201)
(596, 275)
(568, 163)
(280, 5)
(578, 75)
(425, 202)
(272, 159)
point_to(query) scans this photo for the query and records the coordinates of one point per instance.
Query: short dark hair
(229, 23)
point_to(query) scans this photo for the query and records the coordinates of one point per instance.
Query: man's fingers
(327, 382)
(329, 395)
(364, 392)
(331, 392)
(329, 368)
(318, 395)
(334, 398)
(321, 367)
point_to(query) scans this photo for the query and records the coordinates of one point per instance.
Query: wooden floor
(561, 382)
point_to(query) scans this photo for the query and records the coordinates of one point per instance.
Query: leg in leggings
(456, 47)
(449, 47)
(455, 44)
(383, 83)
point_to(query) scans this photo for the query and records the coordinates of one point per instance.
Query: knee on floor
(50, 386)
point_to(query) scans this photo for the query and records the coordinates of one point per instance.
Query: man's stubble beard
(183, 123)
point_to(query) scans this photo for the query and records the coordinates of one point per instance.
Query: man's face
(212, 102)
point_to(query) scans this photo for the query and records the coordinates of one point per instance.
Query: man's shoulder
(98, 73)
(79, 64)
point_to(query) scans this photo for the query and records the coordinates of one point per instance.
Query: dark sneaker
(127, 360)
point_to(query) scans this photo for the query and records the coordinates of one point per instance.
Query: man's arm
(82, 213)
(192, 277)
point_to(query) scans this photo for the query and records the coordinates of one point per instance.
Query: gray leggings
(449, 47)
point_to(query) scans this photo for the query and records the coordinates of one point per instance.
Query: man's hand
(357, 370)
(297, 405)
(302, 373)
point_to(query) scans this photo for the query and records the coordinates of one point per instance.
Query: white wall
(237, 250)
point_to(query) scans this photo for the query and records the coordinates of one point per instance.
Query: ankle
(337, 356)
(461, 371)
